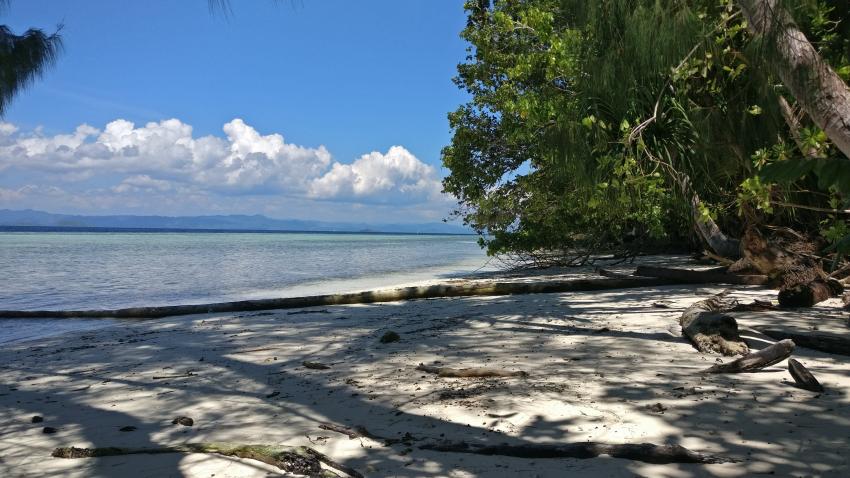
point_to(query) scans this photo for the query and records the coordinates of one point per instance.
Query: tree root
(292, 459)
(757, 360)
(475, 372)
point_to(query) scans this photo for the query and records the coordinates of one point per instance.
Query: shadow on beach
(598, 364)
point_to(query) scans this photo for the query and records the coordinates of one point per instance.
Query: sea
(116, 269)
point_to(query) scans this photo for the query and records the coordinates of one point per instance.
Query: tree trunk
(690, 276)
(816, 86)
(706, 228)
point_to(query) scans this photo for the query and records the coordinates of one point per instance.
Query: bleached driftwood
(765, 357)
(803, 377)
(706, 325)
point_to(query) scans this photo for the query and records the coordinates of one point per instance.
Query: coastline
(606, 366)
(21, 330)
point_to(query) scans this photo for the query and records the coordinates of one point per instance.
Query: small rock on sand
(389, 337)
(185, 421)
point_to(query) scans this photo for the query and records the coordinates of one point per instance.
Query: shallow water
(114, 270)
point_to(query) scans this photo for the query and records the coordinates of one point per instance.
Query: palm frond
(23, 58)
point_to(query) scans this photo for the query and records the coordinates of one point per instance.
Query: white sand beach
(604, 366)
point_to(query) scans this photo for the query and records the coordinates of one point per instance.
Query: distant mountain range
(39, 219)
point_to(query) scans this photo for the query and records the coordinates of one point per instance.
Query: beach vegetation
(636, 125)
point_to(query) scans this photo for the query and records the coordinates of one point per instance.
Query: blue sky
(359, 92)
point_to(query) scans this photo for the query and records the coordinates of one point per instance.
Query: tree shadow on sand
(244, 383)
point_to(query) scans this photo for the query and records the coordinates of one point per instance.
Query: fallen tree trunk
(765, 357)
(710, 329)
(823, 341)
(803, 377)
(710, 276)
(704, 225)
(646, 452)
(809, 294)
(389, 295)
(474, 372)
(291, 459)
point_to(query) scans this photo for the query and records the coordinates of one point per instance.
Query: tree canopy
(618, 124)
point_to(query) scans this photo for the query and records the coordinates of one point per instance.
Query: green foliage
(585, 116)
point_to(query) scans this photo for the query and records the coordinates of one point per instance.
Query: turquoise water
(113, 270)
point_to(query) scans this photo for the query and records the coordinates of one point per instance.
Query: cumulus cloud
(243, 162)
(165, 158)
(7, 128)
(392, 175)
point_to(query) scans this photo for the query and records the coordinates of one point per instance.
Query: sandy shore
(604, 366)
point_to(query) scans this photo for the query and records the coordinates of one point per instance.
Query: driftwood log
(788, 259)
(474, 372)
(389, 295)
(803, 377)
(710, 329)
(709, 276)
(810, 293)
(291, 459)
(765, 357)
(825, 342)
(646, 452)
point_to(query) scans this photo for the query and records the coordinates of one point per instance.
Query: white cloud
(7, 128)
(166, 162)
(391, 176)
(142, 182)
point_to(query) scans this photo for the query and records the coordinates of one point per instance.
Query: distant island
(32, 219)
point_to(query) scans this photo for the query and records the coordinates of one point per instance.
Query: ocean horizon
(106, 269)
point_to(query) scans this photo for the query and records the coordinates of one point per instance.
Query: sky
(305, 109)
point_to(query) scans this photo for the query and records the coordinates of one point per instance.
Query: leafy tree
(610, 123)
